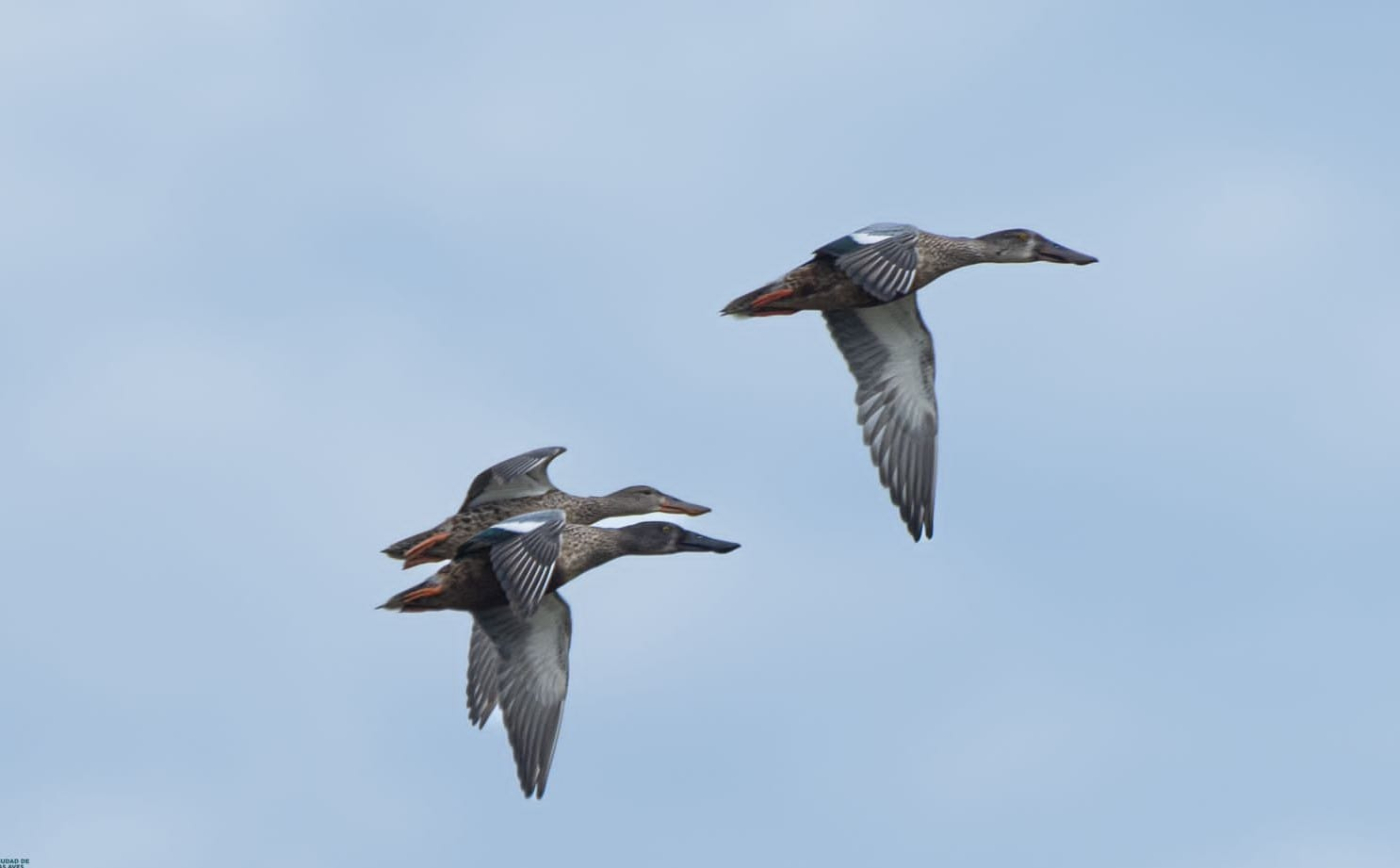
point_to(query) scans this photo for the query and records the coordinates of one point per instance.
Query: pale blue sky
(280, 278)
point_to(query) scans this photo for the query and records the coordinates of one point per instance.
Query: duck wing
(523, 550)
(890, 352)
(483, 677)
(534, 680)
(525, 475)
(882, 258)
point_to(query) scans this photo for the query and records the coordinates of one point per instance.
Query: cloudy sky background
(280, 278)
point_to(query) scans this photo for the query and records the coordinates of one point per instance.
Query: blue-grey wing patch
(890, 352)
(483, 677)
(534, 681)
(525, 475)
(883, 258)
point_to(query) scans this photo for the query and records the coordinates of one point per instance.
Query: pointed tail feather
(773, 299)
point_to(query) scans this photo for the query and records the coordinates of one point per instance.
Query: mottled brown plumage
(469, 582)
(820, 284)
(520, 485)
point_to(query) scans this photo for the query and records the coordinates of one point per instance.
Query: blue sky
(280, 278)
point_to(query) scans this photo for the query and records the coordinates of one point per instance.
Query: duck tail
(757, 303)
(399, 550)
(423, 597)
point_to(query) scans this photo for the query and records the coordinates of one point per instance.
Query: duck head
(1023, 245)
(642, 499)
(665, 538)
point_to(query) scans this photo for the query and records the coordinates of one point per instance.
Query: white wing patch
(526, 522)
(515, 525)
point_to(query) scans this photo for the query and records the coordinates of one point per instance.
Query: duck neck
(942, 253)
(589, 547)
(587, 510)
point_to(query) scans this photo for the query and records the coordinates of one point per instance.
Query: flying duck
(864, 284)
(508, 576)
(522, 484)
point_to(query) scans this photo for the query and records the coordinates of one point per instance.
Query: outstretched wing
(883, 258)
(525, 475)
(483, 677)
(534, 680)
(888, 349)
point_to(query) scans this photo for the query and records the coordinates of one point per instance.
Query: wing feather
(890, 353)
(483, 677)
(525, 475)
(882, 258)
(534, 681)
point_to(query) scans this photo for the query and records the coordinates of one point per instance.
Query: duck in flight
(864, 284)
(522, 484)
(508, 577)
